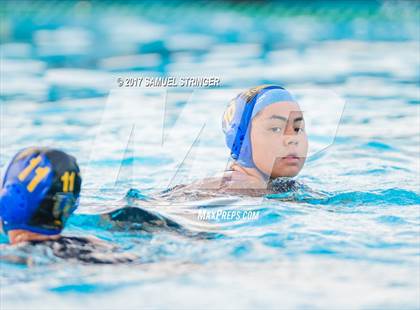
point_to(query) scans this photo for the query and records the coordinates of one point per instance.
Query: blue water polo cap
(241, 110)
(40, 190)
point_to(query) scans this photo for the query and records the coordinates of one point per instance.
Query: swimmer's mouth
(291, 158)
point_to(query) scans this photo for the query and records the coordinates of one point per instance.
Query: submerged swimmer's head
(265, 130)
(40, 190)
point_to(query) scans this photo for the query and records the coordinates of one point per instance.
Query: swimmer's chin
(286, 169)
(289, 172)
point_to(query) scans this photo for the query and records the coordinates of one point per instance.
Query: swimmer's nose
(290, 140)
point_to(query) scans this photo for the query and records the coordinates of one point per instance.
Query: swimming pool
(350, 239)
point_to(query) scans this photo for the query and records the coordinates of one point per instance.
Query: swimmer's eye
(299, 129)
(276, 129)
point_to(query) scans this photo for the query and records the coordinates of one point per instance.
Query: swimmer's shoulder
(229, 182)
(234, 182)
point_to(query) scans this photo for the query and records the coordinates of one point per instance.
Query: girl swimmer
(265, 132)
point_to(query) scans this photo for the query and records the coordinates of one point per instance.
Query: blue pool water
(348, 239)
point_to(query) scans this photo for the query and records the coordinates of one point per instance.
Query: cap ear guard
(53, 212)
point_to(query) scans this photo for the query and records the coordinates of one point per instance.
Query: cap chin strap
(265, 176)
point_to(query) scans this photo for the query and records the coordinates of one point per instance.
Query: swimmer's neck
(19, 235)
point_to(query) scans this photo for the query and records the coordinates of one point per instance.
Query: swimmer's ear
(64, 206)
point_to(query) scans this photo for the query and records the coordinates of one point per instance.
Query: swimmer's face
(279, 141)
